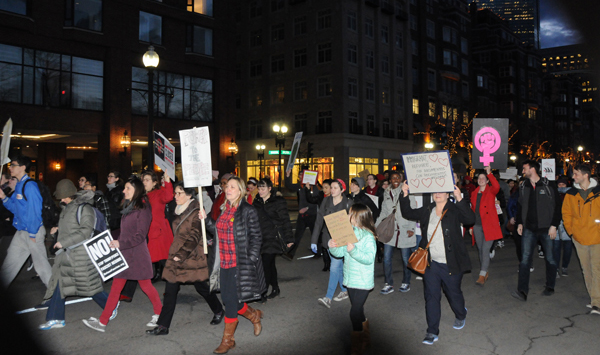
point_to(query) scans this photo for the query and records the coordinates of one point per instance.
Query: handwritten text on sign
(196, 164)
(429, 172)
(339, 228)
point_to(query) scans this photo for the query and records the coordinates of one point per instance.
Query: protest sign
(429, 171)
(196, 163)
(164, 154)
(364, 174)
(294, 151)
(5, 146)
(340, 228)
(490, 143)
(549, 169)
(310, 177)
(374, 198)
(510, 173)
(109, 262)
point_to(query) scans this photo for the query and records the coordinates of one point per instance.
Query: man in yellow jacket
(581, 216)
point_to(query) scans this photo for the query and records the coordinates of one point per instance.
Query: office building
(523, 17)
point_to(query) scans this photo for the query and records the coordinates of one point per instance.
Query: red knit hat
(342, 183)
(380, 177)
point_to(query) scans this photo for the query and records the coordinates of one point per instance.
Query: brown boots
(482, 279)
(228, 342)
(360, 340)
(366, 334)
(254, 316)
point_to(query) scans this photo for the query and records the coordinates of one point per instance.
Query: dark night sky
(557, 27)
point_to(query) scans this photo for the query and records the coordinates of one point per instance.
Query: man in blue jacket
(30, 235)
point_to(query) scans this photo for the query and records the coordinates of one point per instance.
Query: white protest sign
(374, 198)
(429, 171)
(164, 154)
(310, 177)
(109, 262)
(510, 173)
(196, 164)
(294, 152)
(549, 169)
(5, 146)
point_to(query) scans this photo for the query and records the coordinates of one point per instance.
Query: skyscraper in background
(523, 17)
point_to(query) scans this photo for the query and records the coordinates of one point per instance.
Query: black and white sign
(107, 261)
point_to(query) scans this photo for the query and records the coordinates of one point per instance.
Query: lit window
(204, 7)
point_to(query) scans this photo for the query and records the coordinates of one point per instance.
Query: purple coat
(133, 245)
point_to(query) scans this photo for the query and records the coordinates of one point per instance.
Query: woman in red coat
(160, 236)
(487, 225)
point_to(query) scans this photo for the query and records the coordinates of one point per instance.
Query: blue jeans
(336, 276)
(529, 241)
(564, 243)
(56, 309)
(388, 254)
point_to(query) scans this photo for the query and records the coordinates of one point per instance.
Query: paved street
(296, 324)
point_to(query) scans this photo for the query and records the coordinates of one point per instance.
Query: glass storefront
(360, 164)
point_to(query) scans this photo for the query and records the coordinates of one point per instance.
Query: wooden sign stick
(200, 199)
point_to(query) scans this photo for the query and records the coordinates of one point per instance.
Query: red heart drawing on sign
(433, 157)
(440, 181)
(443, 161)
(426, 182)
(415, 182)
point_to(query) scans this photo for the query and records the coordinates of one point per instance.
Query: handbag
(419, 260)
(385, 229)
(282, 243)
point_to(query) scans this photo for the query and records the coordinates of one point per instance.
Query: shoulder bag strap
(436, 227)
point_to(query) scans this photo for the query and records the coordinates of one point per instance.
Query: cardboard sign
(364, 174)
(294, 152)
(5, 146)
(196, 163)
(164, 154)
(310, 177)
(429, 171)
(490, 143)
(109, 262)
(549, 169)
(340, 228)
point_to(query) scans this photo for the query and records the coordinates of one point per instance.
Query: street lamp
(280, 142)
(428, 145)
(151, 60)
(513, 157)
(580, 148)
(261, 155)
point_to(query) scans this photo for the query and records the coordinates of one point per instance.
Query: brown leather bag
(419, 260)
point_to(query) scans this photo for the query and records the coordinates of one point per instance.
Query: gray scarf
(127, 207)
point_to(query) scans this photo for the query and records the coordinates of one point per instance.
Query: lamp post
(280, 142)
(261, 155)
(151, 60)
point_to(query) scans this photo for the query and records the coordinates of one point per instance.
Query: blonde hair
(242, 186)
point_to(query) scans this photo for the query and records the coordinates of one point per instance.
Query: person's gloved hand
(313, 247)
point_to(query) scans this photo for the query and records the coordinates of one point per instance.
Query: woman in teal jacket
(359, 271)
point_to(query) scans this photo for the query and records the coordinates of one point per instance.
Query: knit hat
(65, 188)
(341, 183)
(380, 177)
(226, 176)
(562, 180)
(467, 177)
(359, 181)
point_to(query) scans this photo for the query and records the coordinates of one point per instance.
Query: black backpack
(100, 223)
(50, 212)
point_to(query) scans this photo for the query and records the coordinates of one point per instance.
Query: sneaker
(548, 291)
(588, 305)
(43, 305)
(565, 272)
(500, 244)
(492, 254)
(94, 324)
(153, 321)
(557, 275)
(541, 254)
(404, 288)
(325, 301)
(522, 296)
(595, 310)
(419, 278)
(531, 269)
(115, 312)
(341, 296)
(430, 339)
(52, 324)
(387, 289)
(459, 324)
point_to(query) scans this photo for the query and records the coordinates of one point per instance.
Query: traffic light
(309, 150)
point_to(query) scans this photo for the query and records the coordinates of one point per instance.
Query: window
(484, 57)
(324, 122)
(506, 71)
(277, 5)
(415, 47)
(277, 32)
(387, 132)
(256, 101)
(430, 52)
(255, 129)
(369, 27)
(400, 129)
(385, 34)
(324, 53)
(480, 81)
(399, 69)
(301, 122)
(399, 40)
(415, 76)
(300, 91)
(531, 114)
(255, 68)
(446, 34)
(370, 92)
(199, 40)
(255, 9)
(299, 25)
(450, 58)
(256, 38)
(150, 28)
(86, 14)
(353, 87)
(465, 90)
(576, 100)
(562, 97)
(431, 107)
(352, 53)
(385, 96)
(400, 96)
(431, 79)
(324, 86)
(177, 96)
(506, 89)
(464, 45)
(430, 29)
(415, 105)
(278, 95)
(369, 59)
(413, 22)
(385, 64)
(465, 66)
(353, 124)
(465, 117)
(300, 58)
(238, 131)
(277, 63)
(15, 6)
(324, 19)
(371, 129)
(352, 22)
(50, 79)
(204, 7)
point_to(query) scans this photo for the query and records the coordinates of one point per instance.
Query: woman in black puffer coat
(274, 224)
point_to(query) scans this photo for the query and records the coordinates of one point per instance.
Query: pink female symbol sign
(487, 141)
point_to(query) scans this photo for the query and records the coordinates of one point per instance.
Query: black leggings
(229, 293)
(170, 300)
(270, 270)
(357, 310)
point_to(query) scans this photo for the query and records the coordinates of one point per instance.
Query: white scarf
(180, 208)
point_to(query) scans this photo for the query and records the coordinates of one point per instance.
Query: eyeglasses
(110, 176)
(14, 165)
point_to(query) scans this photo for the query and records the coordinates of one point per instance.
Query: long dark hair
(363, 217)
(153, 177)
(139, 198)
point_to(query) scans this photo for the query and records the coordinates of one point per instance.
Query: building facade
(523, 18)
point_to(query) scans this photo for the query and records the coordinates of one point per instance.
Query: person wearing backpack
(73, 273)
(114, 196)
(99, 201)
(31, 234)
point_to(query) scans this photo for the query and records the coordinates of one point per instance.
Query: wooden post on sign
(200, 199)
